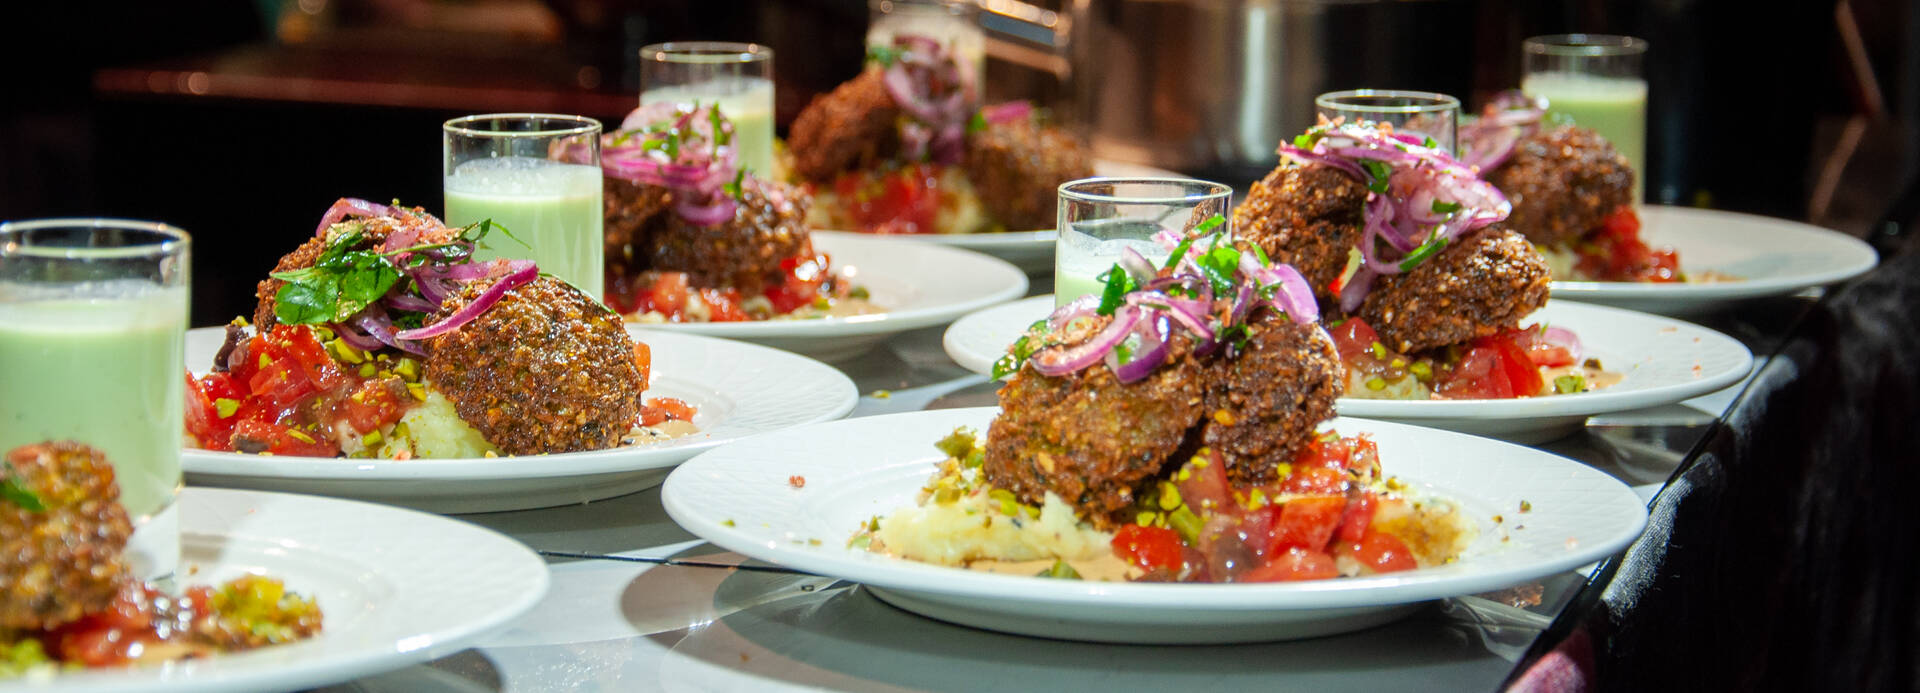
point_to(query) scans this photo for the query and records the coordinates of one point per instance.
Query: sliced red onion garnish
(1137, 265)
(1062, 359)
(1151, 352)
(718, 211)
(521, 272)
(412, 303)
(1190, 314)
(1082, 307)
(360, 340)
(351, 207)
(1563, 337)
(928, 84)
(1006, 112)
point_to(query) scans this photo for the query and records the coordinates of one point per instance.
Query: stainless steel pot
(1211, 86)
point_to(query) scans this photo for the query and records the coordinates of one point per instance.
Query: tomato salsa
(1615, 252)
(1516, 362)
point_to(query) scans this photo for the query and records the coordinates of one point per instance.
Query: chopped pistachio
(372, 438)
(1376, 383)
(1169, 496)
(408, 369)
(419, 391)
(346, 352)
(1060, 570)
(225, 407)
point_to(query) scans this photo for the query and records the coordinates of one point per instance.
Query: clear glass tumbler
(537, 175)
(953, 23)
(1424, 113)
(1595, 81)
(737, 76)
(93, 319)
(1101, 217)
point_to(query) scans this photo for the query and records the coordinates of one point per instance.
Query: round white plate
(739, 390)
(1031, 251)
(396, 587)
(1663, 360)
(1772, 256)
(919, 285)
(739, 497)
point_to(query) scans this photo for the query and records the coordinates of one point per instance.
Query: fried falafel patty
(851, 127)
(1090, 439)
(1306, 216)
(65, 561)
(1017, 167)
(547, 369)
(1263, 405)
(744, 253)
(632, 209)
(1479, 285)
(376, 230)
(1562, 183)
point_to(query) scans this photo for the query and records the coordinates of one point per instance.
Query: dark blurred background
(241, 120)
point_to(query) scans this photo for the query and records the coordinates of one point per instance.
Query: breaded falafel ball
(1263, 405)
(1017, 167)
(744, 253)
(852, 127)
(632, 210)
(1090, 439)
(547, 369)
(1484, 282)
(1306, 216)
(64, 560)
(1562, 182)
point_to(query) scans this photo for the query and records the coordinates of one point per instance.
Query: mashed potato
(975, 528)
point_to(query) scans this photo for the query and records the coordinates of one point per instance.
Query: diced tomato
(376, 403)
(201, 417)
(1543, 353)
(1479, 375)
(803, 276)
(109, 637)
(1353, 337)
(643, 358)
(661, 409)
(313, 359)
(723, 305)
(1379, 552)
(1356, 518)
(1522, 375)
(1203, 484)
(250, 434)
(1307, 479)
(1326, 452)
(906, 200)
(1293, 564)
(1615, 252)
(668, 296)
(282, 382)
(1306, 522)
(1150, 548)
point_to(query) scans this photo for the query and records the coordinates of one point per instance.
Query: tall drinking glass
(93, 319)
(1101, 217)
(737, 76)
(1594, 80)
(953, 23)
(538, 175)
(1424, 113)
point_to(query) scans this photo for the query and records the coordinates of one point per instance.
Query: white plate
(1031, 251)
(739, 390)
(919, 285)
(739, 497)
(396, 587)
(1663, 360)
(1772, 256)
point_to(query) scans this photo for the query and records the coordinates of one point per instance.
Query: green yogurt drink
(1616, 107)
(747, 101)
(104, 371)
(1081, 257)
(553, 207)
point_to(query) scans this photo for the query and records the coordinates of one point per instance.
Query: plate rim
(1308, 595)
(1864, 258)
(218, 465)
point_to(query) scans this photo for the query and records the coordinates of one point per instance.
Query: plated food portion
(736, 390)
(693, 237)
(69, 601)
(381, 337)
(794, 498)
(907, 148)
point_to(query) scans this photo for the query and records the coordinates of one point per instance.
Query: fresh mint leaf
(1440, 207)
(309, 302)
(1377, 172)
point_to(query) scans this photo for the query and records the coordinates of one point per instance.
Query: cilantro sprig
(345, 278)
(14, 490)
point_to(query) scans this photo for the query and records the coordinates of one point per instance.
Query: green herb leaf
(722, 135)
(1445, 207)
(733, 189)
(1261, 254)
(1179, 252)
(1433, 246)
(882, 54)
(307, 302)
(1377, 172)
(1119, 283)
(1430, 143)
(1219, 265)
(1060, 570)
(977, 123)
(12, 491)
(1303, 141)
